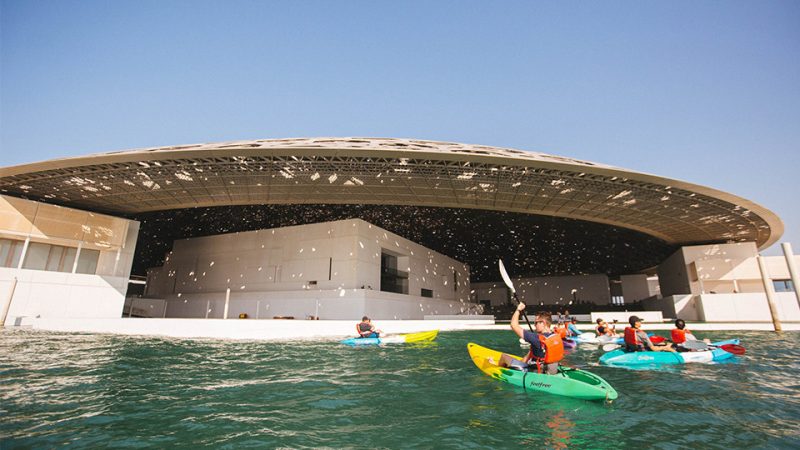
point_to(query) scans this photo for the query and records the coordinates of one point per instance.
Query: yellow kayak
(422, 336)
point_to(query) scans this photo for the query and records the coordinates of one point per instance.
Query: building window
(57, 258)
(427, 293)
(10, 251)
(783, 285)
(87, 261)
(392, 280)
(617, 300)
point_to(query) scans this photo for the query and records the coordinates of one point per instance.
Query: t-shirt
(573, 329)
(536, 344)
(644, 339)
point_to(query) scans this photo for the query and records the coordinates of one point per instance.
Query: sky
(701, 91)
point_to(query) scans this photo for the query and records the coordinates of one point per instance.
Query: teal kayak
(567, 382)
(620, 357)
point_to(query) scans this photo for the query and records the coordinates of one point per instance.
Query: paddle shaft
(524, 316)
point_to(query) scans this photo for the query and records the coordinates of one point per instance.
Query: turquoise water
(85, 391)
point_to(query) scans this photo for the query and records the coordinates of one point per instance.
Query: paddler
(366, 329)
(681, 334)
(636, 340)
(547, 349)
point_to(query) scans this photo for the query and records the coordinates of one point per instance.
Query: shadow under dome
(529, 245)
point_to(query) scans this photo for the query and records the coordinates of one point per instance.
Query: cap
(633, 319)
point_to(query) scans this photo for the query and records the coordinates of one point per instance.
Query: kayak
(423, 336)
(589, 338)
(568, 382)
(621, 358)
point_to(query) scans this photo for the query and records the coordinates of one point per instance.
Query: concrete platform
(318, 330)
(268, 330)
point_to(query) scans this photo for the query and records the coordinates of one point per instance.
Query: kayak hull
(423, 336)
(620, 358)
(574, 383)
(587, 338)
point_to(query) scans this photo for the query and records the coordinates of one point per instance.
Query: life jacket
(562, 331)
(632, 343)
(364, 329)
(679, 336)
(553, 348)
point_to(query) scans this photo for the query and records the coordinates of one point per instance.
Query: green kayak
(568, 382)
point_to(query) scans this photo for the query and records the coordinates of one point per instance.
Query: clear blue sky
(703, 91)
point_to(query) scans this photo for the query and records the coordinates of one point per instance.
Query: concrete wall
(330, 270)
(749, 307)
(635, 288)
(495, 292)
(722, 283)
(51, 294)
(557, 290)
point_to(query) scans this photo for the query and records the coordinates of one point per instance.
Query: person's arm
(515, 321)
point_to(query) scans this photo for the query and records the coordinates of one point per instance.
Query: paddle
(657, 339)
(507, 281)
(609, 347)
(700, 345)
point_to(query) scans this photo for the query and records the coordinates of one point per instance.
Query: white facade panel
(330, 270)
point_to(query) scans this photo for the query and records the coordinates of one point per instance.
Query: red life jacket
(679, 336)
(630, 336)
(553, 350)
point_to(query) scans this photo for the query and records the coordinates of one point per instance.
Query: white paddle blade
(609, 347)
(506, 278)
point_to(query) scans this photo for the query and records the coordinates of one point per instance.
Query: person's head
(599, 321)
(680, 324)
(541, 322)
(635, 321)
(574, 320)
(365, 319)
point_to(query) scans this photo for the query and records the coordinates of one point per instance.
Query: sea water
(89, 391)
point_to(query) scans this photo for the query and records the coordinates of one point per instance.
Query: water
(85, 391)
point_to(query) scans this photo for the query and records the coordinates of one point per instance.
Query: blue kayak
(620, 357)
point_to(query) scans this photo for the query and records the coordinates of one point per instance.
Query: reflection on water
(89, 391)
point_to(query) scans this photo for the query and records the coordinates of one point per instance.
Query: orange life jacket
(562, 331)
(553, 349)
(679, 336)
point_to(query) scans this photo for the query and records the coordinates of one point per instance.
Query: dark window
(783, 285)
(392, 280)
(427, 293)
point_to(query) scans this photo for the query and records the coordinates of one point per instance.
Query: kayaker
(681, 334)
(561, 330)
(547, 349)
(366, 329)
(572, 327)
(603, 329)
(636, 340)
